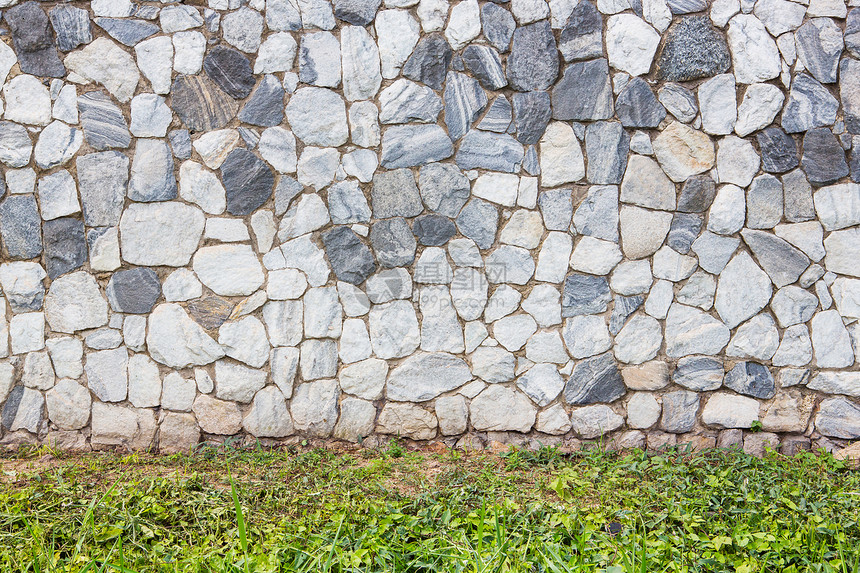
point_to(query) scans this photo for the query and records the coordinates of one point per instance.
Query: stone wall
(529, 221)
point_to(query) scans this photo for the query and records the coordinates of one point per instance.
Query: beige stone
(682, 151)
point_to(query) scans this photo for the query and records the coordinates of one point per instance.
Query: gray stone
(823, 158)
(533, 63)
(247, 180)
(693, 49)
(393, 242)
(622, 308)
(751, 379)
(201, 104)
(464, 102)
(797, 197)
(595, 380)
(484, 63)
(498, 26)
(433, 230)
(33, 40)
(412, 145)
(133, 291)
(498, 117)
(23, 410)
(679, 411)
(72, 26)
(265, 107)
(230, 70)
(699, 373)
(405, 101)
(490, 151)
(107, 374)
(395, 194)
(65, 245)
(783, 263)
(103, 122)
(637, 106)
(124, 30)
(684, 230)
(429, 61)
(479, 221)
(585, 294)
(531, 115)
(597, 215)
(444, 188)
(180, 142)
(102, 182)
(819, 45)
(152, 177)
(679, 101)
(778, 150)
(809, 105)
(852, 33)
(691, 331)
(357, 12)
(424, 376)
(350, 259)
(20, 227)
(697, 194)
(584, 92)
(582, 35)
(15, 145)
(838, 418)
(849, 93)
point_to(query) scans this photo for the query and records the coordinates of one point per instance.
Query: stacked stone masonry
(635, 221)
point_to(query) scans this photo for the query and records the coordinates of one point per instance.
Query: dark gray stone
(479, 221)
(687, 6)
(464, 102)
(498, 26)
(350, 259)
(247, 180)
(103, 122)
(126, 30)
(622, 308)
(180, 143)
(356, 12)
(33, 40)
(433, 230)
(395, 194)
(852, 32)
(819, 55)
(531, 163)
(585, 294)
(490, 151)
(444, 188)
(637, 106)
(231, 70)
(265, 107)
(751, 379)
(72, 26)
(200, 104)
(679, 411)
(412, 145)
(582, 35)
(429, 61)
(699, 373)
(532, 113)
(809, 105)
(797, 197)
(249, 136)
(595, 380)
(607, 145)
(65, 246)
(20, 227)
(533, 63)
(584, 92)
(823, 158)
(684, 230)
(781, 261)
(393, 242)
(778, 150)
(287, 190)
(556, 207)
(693, 49)
(498, 118)
(133, 291)
(764, 202)
(485, 64)
(697, 194)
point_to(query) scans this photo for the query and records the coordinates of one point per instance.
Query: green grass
(399, 510)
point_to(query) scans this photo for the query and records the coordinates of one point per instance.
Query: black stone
(350, 259)
(231, 70)
(595, 380)
(65, 246)
(103, 122)
(134, 291)
(433, 230)
(637, 106)
(751, 379)
(200, 104)
(20, 227)
(778, 150)
(584, 294)
(697, 194)
(126, 30)
(584, 93)
(485, 64)
(356, 12)
(582, 35)
(247, 180)
(429, 61)
(210, 312)
(693, 49)
(684, 230)
(606, 145)
(533, 63)
(265, 107)
(623, 307)
(33, 41)
(823, 158)
(72, 26)
(532, 113)
(393, 242)
(498, 26)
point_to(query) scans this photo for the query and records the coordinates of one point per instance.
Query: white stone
(643, 230)
(107, 374)
(756, 338)
(57, 144)
(499, 188)
(692, 331)
(365, 379)
(831, 341)
(58, 195)
(554, 257)
(657, 13)
(364, 124)
(66, 105)
(303, 254)
(432, 14)
(727, 214)
(278, 147)
(843, 252)
(188, 52)
(737, 161)
(544, 304)
(644, 185)
(181, 285)
(317, 166)
(361, 67)
(730, 411)
(215, 146)
(779, 16)
(27, 100)
(586, 336)
(245, 340)
(590, 422)
(394, 329)
(513, 332)
(595, 256)
(178, 393)
(229, 270)
(237, 383)
(464, 24)
(528, 11)
(226, 230)
(155, 234)
(498, 408)
(807, 236)
(174, 339)
(630, 44)
(74, 302)
(397, 34)
(155, 60)
(759, 107)
(314, 407)
(838, 206)
(631, 277)
(561, 158)
(103, 61)
(150, 116)
(718, 104)
(643, 410)
(276, 54)
(307, 214)
(542, 383)
(68, 405)
(440, 329)
(503, 302)
(323, 316)
(795, 348)
(754, 53)
(639, 340)
(670, 265)
(144, 382)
